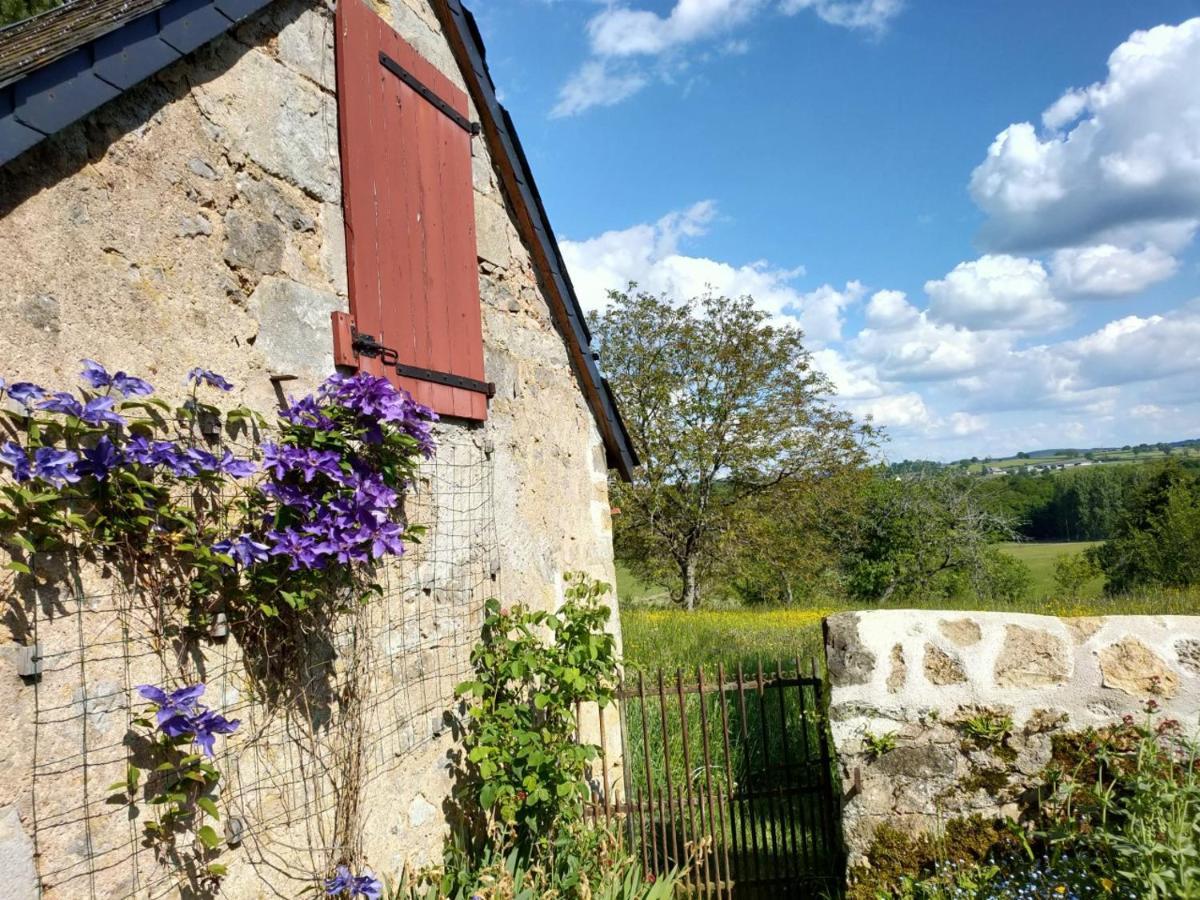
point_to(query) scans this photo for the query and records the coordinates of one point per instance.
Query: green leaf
(18, 567)
(216, 870)
(208, 836)
(209, 806)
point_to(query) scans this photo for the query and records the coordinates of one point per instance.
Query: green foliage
(1071, 572)
(878, 744)
(1157, 540)
(529, 773)
(12, 11)
(987, 728)
(580, 863)
(723, 407)
(180, 787)
(926, 538)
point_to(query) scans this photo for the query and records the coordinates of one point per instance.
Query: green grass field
(1040, 558)
(660, 636)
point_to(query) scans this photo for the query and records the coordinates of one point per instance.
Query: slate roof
(61, 65)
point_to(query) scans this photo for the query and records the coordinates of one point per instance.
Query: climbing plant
(532, 669)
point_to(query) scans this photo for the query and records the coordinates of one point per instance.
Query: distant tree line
(1083, 504)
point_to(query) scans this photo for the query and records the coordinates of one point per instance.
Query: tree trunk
(688, 570)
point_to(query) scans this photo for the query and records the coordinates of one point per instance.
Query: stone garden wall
(196, 220)
(941, 715)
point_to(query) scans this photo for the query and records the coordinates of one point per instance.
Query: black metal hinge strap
(366, 345)
(438, 103)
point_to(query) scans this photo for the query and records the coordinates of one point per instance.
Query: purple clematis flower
(62, 402)
(26, 392)
(341, 882)
(180, 714)
(131, 386)
(94, 374)
(306, 412)
(99, 460)
(55, 466)
(346, 884)
(183, 702)
(244, 549)
(235, 467)
(99, 411)
(207, 725)
(14, 455)
(199, 375)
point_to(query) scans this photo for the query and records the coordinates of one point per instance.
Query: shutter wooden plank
(356, 89)
(434, 353)
(397, 211)
(462, 283)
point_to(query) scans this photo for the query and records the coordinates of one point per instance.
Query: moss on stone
(895, 854)
(991, 781)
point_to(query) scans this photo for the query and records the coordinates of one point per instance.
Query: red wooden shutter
(410, 214)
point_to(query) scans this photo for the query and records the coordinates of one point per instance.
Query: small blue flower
(99, 460)
(99, 411)
(55, 466)
(94, 374)
(14, 455)
(131, 386)
(62, 402)
(198, 375)
(26, 392)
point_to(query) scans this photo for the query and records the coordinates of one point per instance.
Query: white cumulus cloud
(1106, 270)
(629, 47)
(997, 292)
(1122, 151)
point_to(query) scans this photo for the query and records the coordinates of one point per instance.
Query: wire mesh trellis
(371, 693)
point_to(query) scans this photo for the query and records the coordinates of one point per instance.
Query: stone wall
(197, 220)
(941, 715)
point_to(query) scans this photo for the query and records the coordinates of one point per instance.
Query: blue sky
(983, 214)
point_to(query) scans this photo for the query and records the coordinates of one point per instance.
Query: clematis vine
(180, 716)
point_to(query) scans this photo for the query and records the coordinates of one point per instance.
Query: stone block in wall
(243, 93)
(491, 232)
(293, 326)
(972, 702)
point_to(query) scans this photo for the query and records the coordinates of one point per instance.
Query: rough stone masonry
(197, 220)
(905, 683)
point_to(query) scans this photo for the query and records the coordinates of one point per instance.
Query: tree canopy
(724, 408)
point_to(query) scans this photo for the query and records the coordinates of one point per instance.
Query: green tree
(723, 406)
(929, 537)
(1156, 543)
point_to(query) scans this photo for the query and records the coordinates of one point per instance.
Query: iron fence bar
(795, 835)
(628, 691)
(697, 839)
(662, 714)
(604, 767)
(641, 818)
(827, 797)
(729, 785)
(810, 815)
(749, 810)
(706, 746)
(646, 755)
(766, 749)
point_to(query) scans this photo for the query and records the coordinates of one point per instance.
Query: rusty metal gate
(730, 776)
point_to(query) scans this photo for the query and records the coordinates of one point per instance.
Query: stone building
(252, 186)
